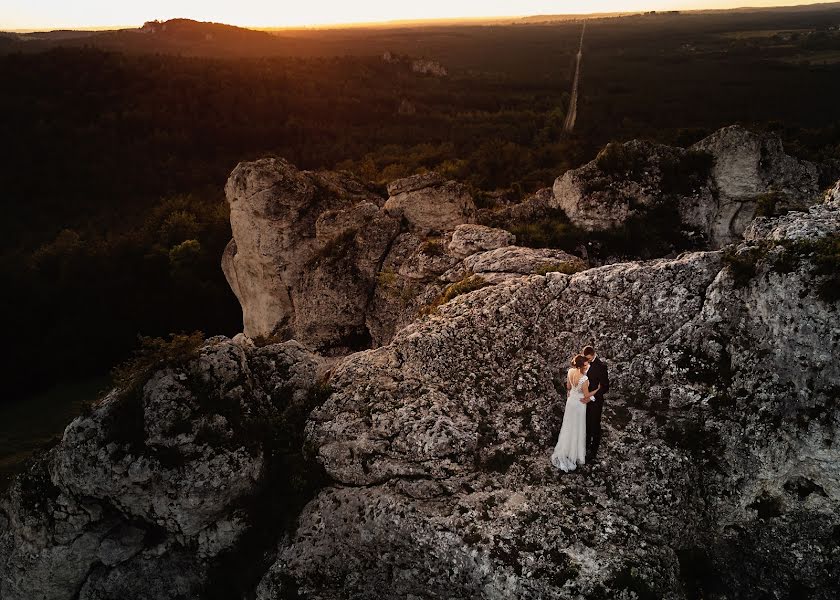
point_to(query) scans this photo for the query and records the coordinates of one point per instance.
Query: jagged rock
(625, 180)
(428, 203)
(719, 463)
(146, 496)
(719, 474)
(469, 239)
(305, 252)
(748, 166)
(714, 187)
(821, 220)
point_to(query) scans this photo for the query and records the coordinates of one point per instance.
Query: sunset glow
(55, 14)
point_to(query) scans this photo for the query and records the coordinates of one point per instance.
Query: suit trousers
(593, 425)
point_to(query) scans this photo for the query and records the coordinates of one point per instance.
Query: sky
(64, 14)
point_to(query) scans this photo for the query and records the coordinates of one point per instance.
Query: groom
(597, 376)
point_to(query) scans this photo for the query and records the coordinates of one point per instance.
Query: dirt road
(571, 116)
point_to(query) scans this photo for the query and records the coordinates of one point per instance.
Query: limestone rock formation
(428, 203)
(320, 258)
(715, 187)
(422, 468)
(749, 167)
(305, 252)
(469, 239)
(154, 493)
(720, 474)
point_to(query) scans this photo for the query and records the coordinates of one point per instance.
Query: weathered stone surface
(148, 495)
(748, 166)
(718, 198)
(470, 239)
(719, 470)
(524, 261)
(719, 464)
(428, 204)
(821, 220)
(305, 252)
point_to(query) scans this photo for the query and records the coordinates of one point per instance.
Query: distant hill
(176, 36)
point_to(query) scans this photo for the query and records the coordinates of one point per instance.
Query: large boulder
(305, 252)
(719, 476)
(430, 204)
(157, 491)
(469, 239)
(750, 169)
(715, 188)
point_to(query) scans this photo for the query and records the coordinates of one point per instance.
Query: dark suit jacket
(598, 376)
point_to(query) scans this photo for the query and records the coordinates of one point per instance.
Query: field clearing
(762, 33)
(826, 57)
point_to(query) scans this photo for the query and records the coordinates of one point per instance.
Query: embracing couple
(580, 435)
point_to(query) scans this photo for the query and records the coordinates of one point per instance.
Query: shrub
(742, 265)
(621, 159)
(432, 247)
(767, 205)
(554, 230)
(156, 353)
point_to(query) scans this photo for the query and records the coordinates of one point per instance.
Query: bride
(570, 450)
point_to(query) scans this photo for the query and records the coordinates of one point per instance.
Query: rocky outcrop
(422, 468)
(719, 471)
(156, 492)
(430, 204)
(714, 188)
(305, 252)
(469, 239)
(320, 258)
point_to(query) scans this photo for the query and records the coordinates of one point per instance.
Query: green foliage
(654, 232)
(683, 174)
(620, 160)
(743, 263)
(140, 141)
(468, 284)
(551, 231)
(433, 247)
(565, 268)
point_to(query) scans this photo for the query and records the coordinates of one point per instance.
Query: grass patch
(468, 284)
(567, 268)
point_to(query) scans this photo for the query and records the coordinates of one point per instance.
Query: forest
(115, 154)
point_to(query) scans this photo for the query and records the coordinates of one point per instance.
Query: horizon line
(395, 22)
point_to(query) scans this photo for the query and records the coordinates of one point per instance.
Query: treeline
(113, 165)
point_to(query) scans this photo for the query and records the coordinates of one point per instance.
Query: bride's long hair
(576, 372)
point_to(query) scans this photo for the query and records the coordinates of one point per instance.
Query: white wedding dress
(570, 450)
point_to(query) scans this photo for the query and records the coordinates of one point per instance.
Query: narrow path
(571, 116)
